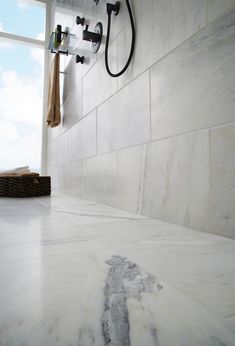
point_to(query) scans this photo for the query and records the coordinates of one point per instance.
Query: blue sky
(26, 21)
(21, 19)
(21, 71)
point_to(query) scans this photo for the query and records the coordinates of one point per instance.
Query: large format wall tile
(72, 108)
(73, 176)
(131, 169)
(161, 25)
(52, 153)
(223, 180)
(99, 179)
(217, 7)
(64, 148)
(124, 120)
(193, 87)
(97, 84)
(177, 180)
(84, 137)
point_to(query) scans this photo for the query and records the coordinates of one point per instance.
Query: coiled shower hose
(132, 43)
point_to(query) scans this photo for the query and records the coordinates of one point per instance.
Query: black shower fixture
(96, 2)
(94, 37)
(80, 21)
(114, 8)
(80, 59)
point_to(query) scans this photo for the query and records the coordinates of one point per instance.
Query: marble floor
(76, 273)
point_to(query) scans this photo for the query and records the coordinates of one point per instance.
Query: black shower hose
(132, 43)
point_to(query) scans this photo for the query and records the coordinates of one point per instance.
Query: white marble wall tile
(71, 110)
(124, 120)
(84, 137)
(99, 179)
(52, 153)
(193, 87)
(216, 7)
(57, 176)
(74, 72)
(64, 148)
(161, 25)
(54, 133)
(223, 180)
(131, 169)
(72, 176)
(177, 180)
(97, 84)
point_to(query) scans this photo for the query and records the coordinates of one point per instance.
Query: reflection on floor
(73, 272)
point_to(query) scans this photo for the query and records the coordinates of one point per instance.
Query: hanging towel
(53, 114)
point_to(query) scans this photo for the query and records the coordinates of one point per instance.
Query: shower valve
(94, 37)
(91, 36)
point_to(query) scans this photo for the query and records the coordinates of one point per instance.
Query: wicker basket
(25, 186)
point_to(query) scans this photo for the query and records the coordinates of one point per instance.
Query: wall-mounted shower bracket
(94, 37)
(80, 59)
(80, 21)
(96, 2)
(58, 41)
(113, 8)
(59, 34)
(64, 52)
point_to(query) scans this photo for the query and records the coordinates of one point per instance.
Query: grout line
(150, 107)
(156, 140)
(206, 10)
(210, 186)
(96, 131)
(81, 98)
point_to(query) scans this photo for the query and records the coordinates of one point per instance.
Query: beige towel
(29, 174)
(53, 114)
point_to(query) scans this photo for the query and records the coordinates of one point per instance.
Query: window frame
(43, 45)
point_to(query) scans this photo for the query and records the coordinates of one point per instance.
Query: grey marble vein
(125, 280)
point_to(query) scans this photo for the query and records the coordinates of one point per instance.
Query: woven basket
(25, 186)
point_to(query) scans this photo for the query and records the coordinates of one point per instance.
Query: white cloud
(20, 120)
(37, 54)
(18, 150)
(20, 99)
(23, 4)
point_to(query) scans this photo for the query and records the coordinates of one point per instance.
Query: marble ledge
(74, 272)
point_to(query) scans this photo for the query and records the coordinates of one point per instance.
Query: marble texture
(217, 7)
(99, 179)
(131, 173)
(97, 84)
(177, 185)
(52, 153)
(193, 87)
(64, 148)
(124, 120)
(60, 280)
(71, 109)
(222, 141)
(73, 176)
(83, 137)
(161, 26)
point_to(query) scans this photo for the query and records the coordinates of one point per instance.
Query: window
(24, 18)
(22, 45)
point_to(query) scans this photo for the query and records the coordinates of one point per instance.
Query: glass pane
(23, 17)
(21, 105)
